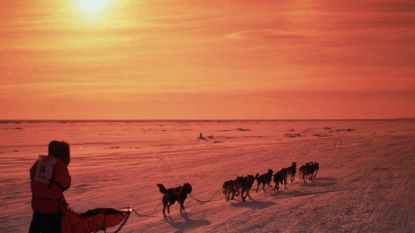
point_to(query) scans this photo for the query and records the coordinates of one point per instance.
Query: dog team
(232, 188)
(243, 184)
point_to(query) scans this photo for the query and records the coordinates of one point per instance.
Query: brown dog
(172, 195)
(309, 170)
(264, 179)
(229, 188)
(240, 186)
(248, 181)
(291, 171)
(280, 177)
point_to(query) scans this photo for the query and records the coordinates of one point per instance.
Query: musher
(49, 178)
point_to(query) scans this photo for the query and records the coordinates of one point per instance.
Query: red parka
(49, 178)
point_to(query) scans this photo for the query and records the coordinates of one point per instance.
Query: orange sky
(213, 59)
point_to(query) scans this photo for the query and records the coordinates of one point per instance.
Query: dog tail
(162, 188)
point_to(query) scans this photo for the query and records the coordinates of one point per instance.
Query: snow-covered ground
(365, 183)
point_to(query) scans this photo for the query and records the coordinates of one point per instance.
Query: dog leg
(183, 205)
(246, 194)
(249, 196)
(164, 210)
(168, 208)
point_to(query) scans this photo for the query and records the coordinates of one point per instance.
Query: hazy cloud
(268, 34)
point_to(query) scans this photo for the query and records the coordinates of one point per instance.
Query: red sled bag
(93, 220)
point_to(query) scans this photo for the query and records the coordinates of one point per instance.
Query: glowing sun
(92, 6)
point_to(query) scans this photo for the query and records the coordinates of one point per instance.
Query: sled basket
(94, 220)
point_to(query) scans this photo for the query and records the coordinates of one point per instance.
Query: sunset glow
(207, 59)
(92, 6)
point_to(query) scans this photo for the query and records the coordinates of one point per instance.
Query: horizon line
(245, 119)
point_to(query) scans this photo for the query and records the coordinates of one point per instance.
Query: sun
(92, 6)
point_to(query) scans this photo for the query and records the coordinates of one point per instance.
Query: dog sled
(95, 220)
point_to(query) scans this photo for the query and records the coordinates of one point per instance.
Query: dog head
(187, 188)
(227, 184)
